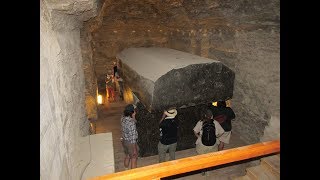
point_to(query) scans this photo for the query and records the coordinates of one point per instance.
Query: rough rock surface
(63, 119)
(162, 77)
(242, 34)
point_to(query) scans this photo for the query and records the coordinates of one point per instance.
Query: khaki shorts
(128, 148)
(202, 149)
(225, 137)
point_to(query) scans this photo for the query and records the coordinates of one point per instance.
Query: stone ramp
(109, 121)
(102, 162)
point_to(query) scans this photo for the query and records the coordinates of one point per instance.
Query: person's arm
(162, 118)
(219, 129)
(196, 129)
(134, 117)
(197, 134)
(219, 133)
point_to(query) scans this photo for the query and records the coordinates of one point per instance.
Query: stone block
(162, 77)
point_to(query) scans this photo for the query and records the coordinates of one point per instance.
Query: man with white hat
(168, 134)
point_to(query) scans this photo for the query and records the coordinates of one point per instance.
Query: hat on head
(171, 113)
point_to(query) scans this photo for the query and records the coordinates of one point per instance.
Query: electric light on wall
(99, 99)
(228, 103)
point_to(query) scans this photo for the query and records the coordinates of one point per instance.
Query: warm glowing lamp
(99, 99)
(214, 103)
(228, 103)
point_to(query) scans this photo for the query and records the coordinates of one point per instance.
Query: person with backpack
(168, 126)
(223, 115)
(208, 132)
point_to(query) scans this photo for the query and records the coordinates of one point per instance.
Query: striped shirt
(129, 130)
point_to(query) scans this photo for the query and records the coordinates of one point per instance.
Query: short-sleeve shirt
(198, 128)
(129, 130)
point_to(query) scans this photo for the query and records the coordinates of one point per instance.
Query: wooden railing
(193, 163)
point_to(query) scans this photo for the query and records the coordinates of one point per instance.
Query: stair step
(245, 177)
(260, 173)
(272, 163)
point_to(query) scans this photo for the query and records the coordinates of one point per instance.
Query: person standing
(115, 74)
(208, 132)
(110, 89)
(115, 69)
(210, 146)
(223, 115)
(168, 126)
(129, 137)
(119, 82)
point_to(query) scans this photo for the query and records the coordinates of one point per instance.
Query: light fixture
(214, 103)
(99, 99)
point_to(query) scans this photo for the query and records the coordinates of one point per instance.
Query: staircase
(269, 169)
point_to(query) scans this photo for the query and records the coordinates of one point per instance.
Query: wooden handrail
(179, 166)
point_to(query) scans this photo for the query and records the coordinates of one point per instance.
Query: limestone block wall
(91, 85)
(108, 41)
(63, 120)
(257, 85)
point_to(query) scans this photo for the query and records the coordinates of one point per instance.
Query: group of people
(213, 130)
(113, 82)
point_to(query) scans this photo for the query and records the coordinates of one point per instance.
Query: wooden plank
(189, 164)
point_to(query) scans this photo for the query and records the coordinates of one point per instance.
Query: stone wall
(91, 85)
(242, 34)
(254, 56)
(245, 36)
(257, 85)
(63, 120)
(108, 41)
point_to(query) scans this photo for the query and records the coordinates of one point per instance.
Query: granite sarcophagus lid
(162, 77)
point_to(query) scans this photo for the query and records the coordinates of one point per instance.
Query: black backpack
(208, 137)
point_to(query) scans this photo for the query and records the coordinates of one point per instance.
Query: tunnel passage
(162, 78)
